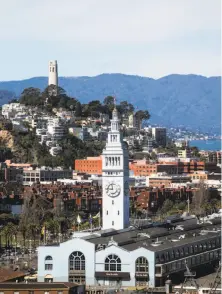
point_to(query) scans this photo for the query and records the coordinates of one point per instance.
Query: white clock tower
(115, 179)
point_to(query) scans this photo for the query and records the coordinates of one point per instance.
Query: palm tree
(8, 232)
(23, 227)
(33, 231)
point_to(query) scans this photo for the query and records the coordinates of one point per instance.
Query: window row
(113, 138)
(192, 261)
(112, 263)
(188, 250)
(112, 161)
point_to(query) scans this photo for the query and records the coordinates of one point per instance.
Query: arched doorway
(142, 271)
(77, 267)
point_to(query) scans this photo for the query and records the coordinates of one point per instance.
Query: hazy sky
(89, 37)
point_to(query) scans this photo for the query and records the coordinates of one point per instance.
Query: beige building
(184, 153)
(160, 180)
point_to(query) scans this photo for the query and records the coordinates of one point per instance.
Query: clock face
(113, 190)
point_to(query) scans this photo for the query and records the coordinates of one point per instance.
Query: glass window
(77, 261)
(162, 258)
(113, 263)
(48, 266)
(158, 270)
(177, 254)
(167, 256)
(186, 250)
(142, 265)
(181, 252)
(191, 249)
(48, 257)
(174, 267)
(195, 248)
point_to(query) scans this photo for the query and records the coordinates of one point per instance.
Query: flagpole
(99, 219)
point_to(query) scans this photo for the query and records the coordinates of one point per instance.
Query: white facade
(53, 73)
(115, 177)
(93, 264)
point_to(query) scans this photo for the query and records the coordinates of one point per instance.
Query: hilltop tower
(53, 73)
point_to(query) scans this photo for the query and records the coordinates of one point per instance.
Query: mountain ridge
(191, 100)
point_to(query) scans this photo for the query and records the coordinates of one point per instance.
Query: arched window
(77, 261)
(48, 257)
(48, 263)
(142, 265)
(113, 263)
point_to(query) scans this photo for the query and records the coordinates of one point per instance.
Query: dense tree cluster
(29, 150)
(56, 97)
(27, 147)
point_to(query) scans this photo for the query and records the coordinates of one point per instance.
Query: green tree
(142, 114)
(34, 231)
(109, 101)
(125, 108)
(31, 96)
(167, 206)
(195, 151)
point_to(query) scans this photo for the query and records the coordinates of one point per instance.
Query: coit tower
(53, 73)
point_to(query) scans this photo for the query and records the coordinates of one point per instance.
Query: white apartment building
(55, 129)
(10, 110)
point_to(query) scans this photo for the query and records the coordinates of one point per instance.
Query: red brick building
(93, 165)
(90, 165)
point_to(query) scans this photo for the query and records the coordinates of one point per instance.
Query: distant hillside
(188, 100)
